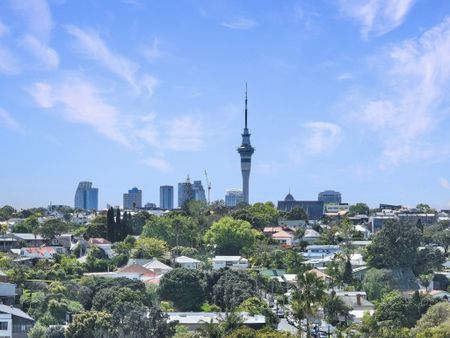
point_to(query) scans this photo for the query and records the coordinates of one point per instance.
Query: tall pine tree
(110, 224)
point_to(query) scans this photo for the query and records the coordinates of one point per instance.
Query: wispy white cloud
(4, 30)
(415, 99)
(81, 103)
(321, 136)
(9, 122)
(184, 133)
(240, 23)
(444, 183)
(92, 46)
(159, 164)
(376, 17)
(344, 77)
(150, 83)
(153, 52)
(43, 53)
(8, 62)
(37, 16)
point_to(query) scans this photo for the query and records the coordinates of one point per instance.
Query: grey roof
(7, 290)
(27, 236)
(14, 311)
(138, 261)
(185, 259)
(155, 264)
(202, 317)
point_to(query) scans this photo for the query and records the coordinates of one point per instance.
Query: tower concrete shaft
(246, 151)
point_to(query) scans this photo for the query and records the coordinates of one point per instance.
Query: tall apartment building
(198, 192)
(86, 197)
(132, 199)
(330, 196)
(233, 197)
(166, 197)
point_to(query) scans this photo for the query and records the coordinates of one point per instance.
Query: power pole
(208, 184)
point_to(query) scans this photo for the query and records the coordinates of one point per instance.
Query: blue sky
(346, 95)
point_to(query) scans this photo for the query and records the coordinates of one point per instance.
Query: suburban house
(7, 293)
(194, 320)
(14, 323)
(284, 237)
(28, 239)
(232, 262)
(40, 252)
(157, 267)
(187, 262)
(311, 236)
(357, 300)
(318, 251)
(102, 244)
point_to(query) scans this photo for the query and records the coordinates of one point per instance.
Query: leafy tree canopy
(148, 247)
(230, 236)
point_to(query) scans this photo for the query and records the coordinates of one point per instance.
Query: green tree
(52, 228)
(97, 228)
(347, 276)
(175, 229)
(109, 299)
(359, 209)
(6, 212)
(438, 234)
(423, 207)
(296, 214)
(308, 295)
(149, 248)
(90, 324)
(377, 282)
(229, 236)
(394, 246)
(259, 215)
(435, 316)
(334, 307)
(139, 321)
(232, 288)
(395, 311)
(184, 288)
(257, 306)
(428, 259)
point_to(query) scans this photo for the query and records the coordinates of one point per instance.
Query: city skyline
(341, 99)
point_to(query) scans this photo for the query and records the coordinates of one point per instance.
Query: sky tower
(246, 151)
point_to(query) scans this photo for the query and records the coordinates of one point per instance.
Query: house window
(3, 326)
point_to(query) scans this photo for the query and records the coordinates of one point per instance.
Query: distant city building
(185, 193)
(246, 151)
(198, 193)
(150, 206)
(233, 197)
(390, 206)
(86, 197)
(330, 196)
(313, 209)
(132, 199)
(166, 197)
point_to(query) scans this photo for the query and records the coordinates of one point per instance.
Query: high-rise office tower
(86, 197)
(246, 151)
(198, 193)
(166, 197)
(330, 196)
(233, 197)
(132, 199)
(185, 193)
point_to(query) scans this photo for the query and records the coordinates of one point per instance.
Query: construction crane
(208, 184)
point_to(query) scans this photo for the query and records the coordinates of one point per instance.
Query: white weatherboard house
(232, 262)
(14, 323)
(187, 262)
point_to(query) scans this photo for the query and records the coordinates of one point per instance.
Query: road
(283, 325)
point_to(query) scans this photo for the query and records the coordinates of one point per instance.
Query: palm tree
(308, 295)
(335, 307)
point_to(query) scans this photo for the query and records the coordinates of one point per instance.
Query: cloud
(159, 164)
(376, 17)
(184, 134)
(444, 183)
(240, 23)
(37, 16)
(344, 77)
(153, 52)
(414, 96)
(8, 63)
(150, 83)
(44, 54)
(4, 30)
(9, 122)
(81, 103)
(321, 136)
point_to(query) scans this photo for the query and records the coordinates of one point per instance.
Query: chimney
(358, 299)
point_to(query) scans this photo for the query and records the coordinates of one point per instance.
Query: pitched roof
(283, 234)
(135, 268)
(14, 311)
(99, 240)
(272, 229)
(311, 233)
(40, 251)
(155, 264)
(320, 274)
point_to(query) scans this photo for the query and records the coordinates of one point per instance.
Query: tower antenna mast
(208, 184)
